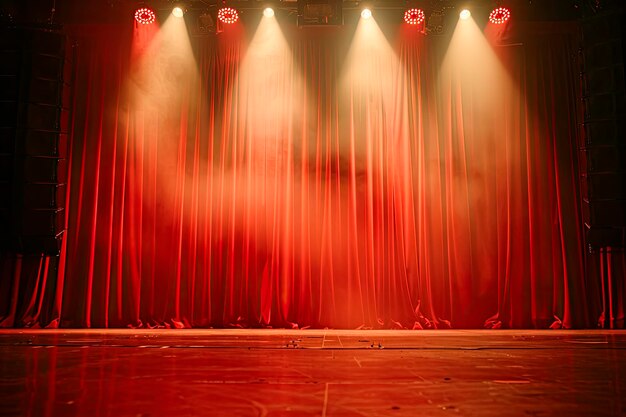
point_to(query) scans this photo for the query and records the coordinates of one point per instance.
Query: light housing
(499, 15)
(178, 11)
(414, 16)
(145, 16)
(228, 15)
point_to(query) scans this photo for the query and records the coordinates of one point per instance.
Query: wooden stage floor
(328, 373)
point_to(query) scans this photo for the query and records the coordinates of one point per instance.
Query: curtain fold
(286, 178)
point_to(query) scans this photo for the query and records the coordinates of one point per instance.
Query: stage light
(145, 16)
(178, 12)
(414, 16)
(366, 13)
(268, 12)
(465, 14)
(499, 15)
(227, 15)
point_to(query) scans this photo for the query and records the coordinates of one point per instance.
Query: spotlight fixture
(366, 13)
(227, 15)
(414, 16)
(145, 16)
(178, 12)
(499, 15)
(465, 14)
(268, 12)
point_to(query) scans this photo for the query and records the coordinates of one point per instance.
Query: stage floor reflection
(312, 373)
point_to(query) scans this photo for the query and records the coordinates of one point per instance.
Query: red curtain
(315, 183)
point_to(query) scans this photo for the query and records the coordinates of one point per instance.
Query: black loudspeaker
(34, 116)
(603, 156)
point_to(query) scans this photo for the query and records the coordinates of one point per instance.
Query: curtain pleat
(308, 183)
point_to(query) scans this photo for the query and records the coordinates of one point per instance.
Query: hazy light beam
(164, 70)
(471, 61)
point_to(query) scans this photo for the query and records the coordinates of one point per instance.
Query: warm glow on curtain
(333, 179)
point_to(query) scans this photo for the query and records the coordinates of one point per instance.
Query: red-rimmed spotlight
(499, 15)
(414, 16)
(145, 16)
(227, 15)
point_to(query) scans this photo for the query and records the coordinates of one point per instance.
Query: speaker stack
(603, 151)
(34, 119)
